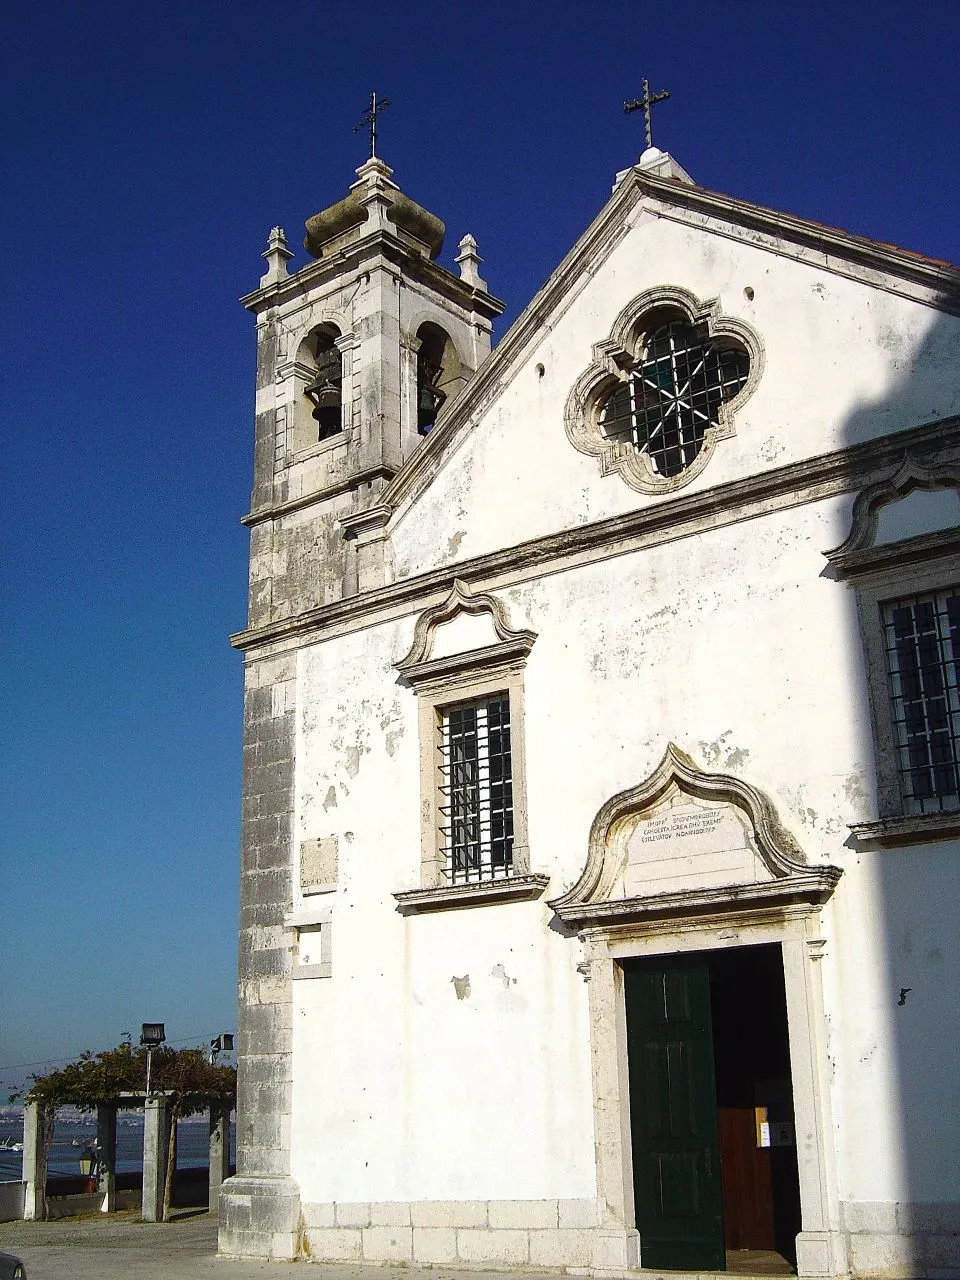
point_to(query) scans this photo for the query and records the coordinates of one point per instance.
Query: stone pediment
(466, 631)
(684, 843)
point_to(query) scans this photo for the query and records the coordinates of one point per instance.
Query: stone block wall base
(477, 1234)
(901, 1241)
(822, 1254)
(260, 1218)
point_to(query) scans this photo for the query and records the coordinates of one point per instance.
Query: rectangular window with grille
(922, 641)
(476, 809)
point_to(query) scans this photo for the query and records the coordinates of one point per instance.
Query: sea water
(72, 1135)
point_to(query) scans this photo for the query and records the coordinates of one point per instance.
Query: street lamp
(152, 1036)
(223, 1043)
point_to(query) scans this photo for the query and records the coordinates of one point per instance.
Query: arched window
(438, 374)
(324, 391)
(674, 394)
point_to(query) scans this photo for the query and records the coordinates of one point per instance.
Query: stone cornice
(885, 258)
(392, 248)
(663, 521)
(921, 828)
(353, 481)
(444, 897)
(812, 888)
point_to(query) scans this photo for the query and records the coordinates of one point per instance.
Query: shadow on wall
(915, 891)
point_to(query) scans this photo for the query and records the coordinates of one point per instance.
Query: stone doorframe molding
(784, 911)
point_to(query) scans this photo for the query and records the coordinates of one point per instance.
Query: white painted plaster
(516, 476)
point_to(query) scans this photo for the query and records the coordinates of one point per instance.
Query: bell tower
(359, 353)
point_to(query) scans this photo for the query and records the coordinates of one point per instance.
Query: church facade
(601, 829)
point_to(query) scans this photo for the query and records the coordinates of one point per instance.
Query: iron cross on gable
(644, 104)
(369, 120)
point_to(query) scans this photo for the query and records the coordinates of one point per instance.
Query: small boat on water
(9, 1144)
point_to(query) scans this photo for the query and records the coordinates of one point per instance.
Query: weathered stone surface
(259, 1217)
(388, 1244)
(522, 1213)
(561, 1248)
(449, 1213)
(506, 1248)
(390, 1213)
(353, 1214)
(433, 1245)
(336, 1244)
(578, 1213)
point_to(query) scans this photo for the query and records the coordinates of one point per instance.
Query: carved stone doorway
(689, 866)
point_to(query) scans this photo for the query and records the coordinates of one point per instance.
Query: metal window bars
(922, 640)
(669, 401)
(476, 809)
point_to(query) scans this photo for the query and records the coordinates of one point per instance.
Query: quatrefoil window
(661, 390)
(674, 395)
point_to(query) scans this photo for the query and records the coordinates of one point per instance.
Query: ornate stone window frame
(878, 574)
(786, 912)
(442, 682)
(614, 359)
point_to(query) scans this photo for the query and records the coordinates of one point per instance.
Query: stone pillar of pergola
(34, 1162)
(107, 1155)
(156, 1139)
(219, 1150)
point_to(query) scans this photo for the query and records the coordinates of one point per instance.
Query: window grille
(922, 640)
(476, 790)
(675, 395)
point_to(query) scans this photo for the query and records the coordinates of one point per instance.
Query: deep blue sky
(148, 149)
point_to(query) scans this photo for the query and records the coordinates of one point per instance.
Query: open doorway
(714, 1156)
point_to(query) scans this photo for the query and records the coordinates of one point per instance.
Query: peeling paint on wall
(462, 986)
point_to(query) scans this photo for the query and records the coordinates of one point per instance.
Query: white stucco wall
(735, 646)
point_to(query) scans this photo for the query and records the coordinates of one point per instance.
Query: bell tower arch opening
(319, 411)
(439, 374)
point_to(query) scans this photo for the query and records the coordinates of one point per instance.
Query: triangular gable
(901, 271)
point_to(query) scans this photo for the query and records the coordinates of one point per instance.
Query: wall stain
(330, 799)
(462, 986)
(500, 973)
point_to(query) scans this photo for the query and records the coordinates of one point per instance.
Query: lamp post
(152, 1036)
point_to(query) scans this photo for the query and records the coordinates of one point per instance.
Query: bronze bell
(325, 396)
(428, 406)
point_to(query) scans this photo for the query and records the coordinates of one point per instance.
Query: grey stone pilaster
(260, 1206)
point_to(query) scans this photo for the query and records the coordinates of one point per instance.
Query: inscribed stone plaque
(318, 864)
(685, 843)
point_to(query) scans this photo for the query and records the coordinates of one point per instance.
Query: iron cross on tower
(645, 103)
(369, 120)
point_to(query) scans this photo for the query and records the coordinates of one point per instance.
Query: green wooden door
(678, 1190)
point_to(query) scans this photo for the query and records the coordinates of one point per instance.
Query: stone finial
(469, 261)
(277, 255)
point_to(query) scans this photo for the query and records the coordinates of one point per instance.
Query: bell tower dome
(360, 351)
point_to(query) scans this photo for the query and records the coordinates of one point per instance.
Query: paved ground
(121, 1248)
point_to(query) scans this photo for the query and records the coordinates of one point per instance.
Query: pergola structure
(156, 1141)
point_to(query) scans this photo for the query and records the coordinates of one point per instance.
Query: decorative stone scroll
(686, 842)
